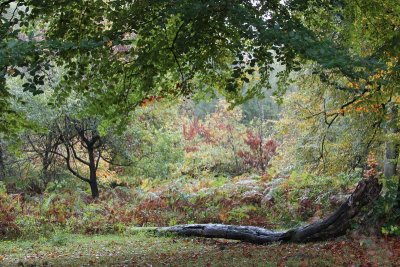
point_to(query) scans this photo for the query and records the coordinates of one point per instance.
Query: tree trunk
(335, 225)
(46, 162)
(94, 188)
(2, 164)
(392, 148)
(93, 174)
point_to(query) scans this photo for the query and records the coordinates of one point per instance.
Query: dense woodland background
(123, 114)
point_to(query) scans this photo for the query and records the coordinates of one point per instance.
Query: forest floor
(143, 249)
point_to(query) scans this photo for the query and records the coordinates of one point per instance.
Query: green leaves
(203, 46)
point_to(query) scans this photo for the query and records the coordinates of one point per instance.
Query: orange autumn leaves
(374, 92)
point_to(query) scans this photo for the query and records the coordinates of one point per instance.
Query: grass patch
(141, 247)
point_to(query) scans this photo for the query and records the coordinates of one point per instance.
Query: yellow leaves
(353, 85)
(396, 99)
(382, 73)
(361, 109)
(369, 108)
(107, 176)
(145, 184)
(377, 76)
(340, 111)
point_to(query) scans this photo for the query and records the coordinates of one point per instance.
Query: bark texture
(2, 163)
(366, 192)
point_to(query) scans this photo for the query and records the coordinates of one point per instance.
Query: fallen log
(366, 192)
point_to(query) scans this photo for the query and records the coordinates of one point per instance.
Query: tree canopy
(118, 53)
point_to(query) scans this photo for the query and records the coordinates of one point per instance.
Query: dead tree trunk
(334, 225)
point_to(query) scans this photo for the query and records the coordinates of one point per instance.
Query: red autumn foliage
(194, 129)
(372, 167)
(260, 152)
(150, 100)
(8, 213)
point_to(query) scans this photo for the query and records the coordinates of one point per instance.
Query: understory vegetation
(192, 166)
(246, 200)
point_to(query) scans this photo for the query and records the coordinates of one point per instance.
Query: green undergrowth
(279, 203)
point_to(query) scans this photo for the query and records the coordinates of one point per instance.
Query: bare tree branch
(76, 155)
(68, 161)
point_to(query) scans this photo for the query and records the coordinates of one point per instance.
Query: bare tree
(43, 145)
(82, 145)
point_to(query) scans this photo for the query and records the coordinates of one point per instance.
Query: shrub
(259, 152)
(212, 144)
(9, 207)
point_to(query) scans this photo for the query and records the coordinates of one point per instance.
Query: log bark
(366, 192)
